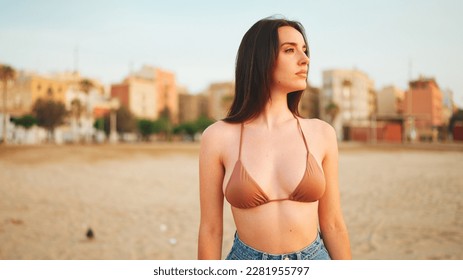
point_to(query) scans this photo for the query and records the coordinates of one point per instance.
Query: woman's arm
(332, 225)
(211, 173)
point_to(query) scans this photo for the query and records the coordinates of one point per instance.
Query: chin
(301, 87)
(296, 86)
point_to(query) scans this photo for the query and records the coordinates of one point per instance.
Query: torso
(276, 160)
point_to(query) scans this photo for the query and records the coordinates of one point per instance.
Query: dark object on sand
(90, 234)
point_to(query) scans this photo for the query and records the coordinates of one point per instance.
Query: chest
(277, 163)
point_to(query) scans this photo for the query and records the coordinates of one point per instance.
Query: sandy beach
(141, 200)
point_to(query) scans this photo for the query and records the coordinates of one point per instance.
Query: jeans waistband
(253, 253)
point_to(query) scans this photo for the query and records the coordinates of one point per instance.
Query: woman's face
(290, 72)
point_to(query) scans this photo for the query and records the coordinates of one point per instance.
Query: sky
(391, 41)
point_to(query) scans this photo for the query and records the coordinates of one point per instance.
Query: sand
(141, 201)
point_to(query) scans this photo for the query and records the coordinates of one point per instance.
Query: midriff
(278, 228)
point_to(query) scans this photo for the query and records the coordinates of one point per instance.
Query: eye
(290, 50)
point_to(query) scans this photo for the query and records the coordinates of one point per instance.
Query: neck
(276, 112)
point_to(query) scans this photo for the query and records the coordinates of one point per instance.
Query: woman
(278, 172)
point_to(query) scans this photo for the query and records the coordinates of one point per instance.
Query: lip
(302, 73)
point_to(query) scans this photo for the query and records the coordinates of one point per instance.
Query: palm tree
(86, 86)
(76, 113)
(7, 73)
(332, 110)
(347, 85)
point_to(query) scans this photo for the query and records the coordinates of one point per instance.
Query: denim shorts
(315, 251)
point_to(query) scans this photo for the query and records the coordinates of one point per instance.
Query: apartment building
(352, 92)
(149, 93)
(423, 104)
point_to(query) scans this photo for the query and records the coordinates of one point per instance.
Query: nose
(304, 60)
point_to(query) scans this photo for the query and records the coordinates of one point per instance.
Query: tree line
(50, 114)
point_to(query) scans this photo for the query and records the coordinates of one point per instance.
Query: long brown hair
(255, 62)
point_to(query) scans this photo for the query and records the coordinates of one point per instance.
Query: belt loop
(264, 256)
(299, 255)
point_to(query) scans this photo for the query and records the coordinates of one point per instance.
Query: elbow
(334, 225)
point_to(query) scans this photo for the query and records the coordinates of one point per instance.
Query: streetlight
(114, 105)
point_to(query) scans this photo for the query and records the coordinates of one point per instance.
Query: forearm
(209, 244)
(337, 243)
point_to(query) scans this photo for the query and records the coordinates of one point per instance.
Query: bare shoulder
(318, 127)
(218, 135)
(219, 129)
(322, 132)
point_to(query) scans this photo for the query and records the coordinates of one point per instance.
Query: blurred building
(191, 107)
(389, 120)
(84, 99)
(389, 102)
(352, 93)
(63, 87)
(90, 97)
(137, 95)
(149, 93)
(423, 109)
(309, 106)
(29, 87)
(220, 99)
(166, 93)
(448, 106)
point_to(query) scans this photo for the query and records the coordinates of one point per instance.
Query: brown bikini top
(243, 192)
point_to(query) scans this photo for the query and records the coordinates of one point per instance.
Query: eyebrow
(292, 44)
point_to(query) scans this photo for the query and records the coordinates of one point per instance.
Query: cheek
(279, 75)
